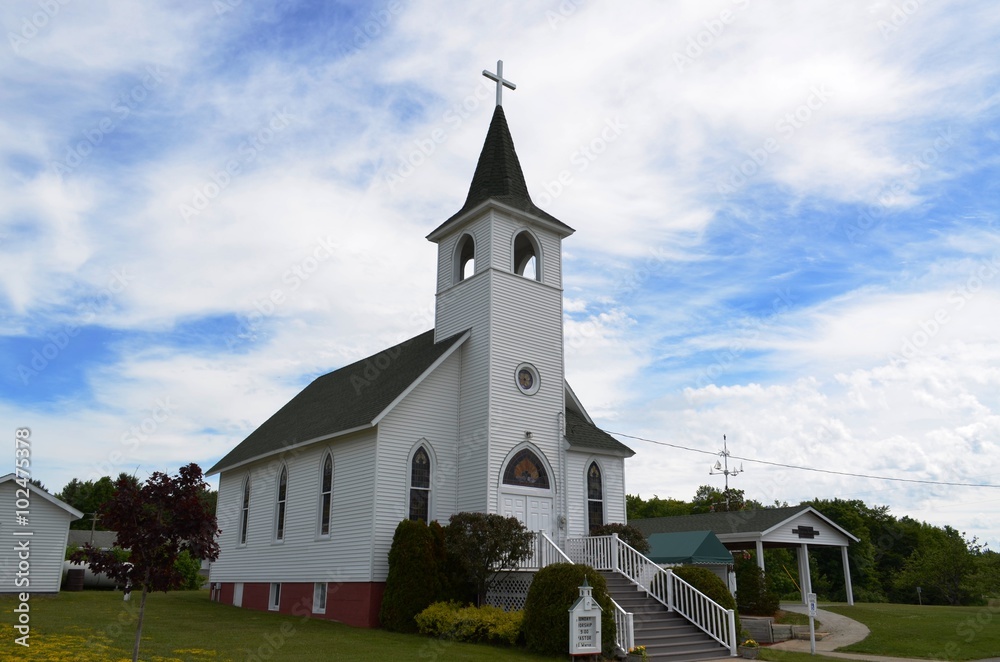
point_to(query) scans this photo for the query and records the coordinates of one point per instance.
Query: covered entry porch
(797, 527)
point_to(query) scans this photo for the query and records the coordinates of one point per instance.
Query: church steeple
(499, 177)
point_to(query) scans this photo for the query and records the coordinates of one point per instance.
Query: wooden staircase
(667, 636)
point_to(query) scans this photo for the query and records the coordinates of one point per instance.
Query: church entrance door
(535, 512)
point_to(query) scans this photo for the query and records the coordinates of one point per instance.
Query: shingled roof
(498, 177)
(761, 520)
(583, 435)
(345, 399)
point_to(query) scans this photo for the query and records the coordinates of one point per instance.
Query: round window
(527, 380)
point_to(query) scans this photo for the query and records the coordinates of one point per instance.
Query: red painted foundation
(355, 603)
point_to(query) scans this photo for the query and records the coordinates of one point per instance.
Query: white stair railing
(544, 552)
(614, 554)
(624, 628)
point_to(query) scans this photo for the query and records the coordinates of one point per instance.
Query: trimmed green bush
(754, 595)
(486, 624)
(188, 567)
(631, 535)
(709, 583)
(546, 611)
(414, 579)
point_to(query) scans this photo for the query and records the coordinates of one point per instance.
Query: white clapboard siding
(827, 533)
(428, 415)
(613, 475)
(48, 523)
(344, 555)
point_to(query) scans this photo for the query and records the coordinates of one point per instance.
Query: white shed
(31, 556)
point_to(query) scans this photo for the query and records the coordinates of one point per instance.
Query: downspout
(564, 529)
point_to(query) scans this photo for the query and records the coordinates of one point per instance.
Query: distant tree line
(894, 557)
(90, 496)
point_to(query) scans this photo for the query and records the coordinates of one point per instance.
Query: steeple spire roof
(499, 177)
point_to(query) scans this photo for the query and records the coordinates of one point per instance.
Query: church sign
(585, 623)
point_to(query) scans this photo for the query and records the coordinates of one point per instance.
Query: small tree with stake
(156, 522)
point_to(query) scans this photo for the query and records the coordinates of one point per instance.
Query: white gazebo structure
(793, 526)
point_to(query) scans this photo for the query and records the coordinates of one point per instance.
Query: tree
(637, 508)
(486, 546)
(414, 581)
(942, 566)
(88, 497)
(155, 522)
(709, 500)
(628, 533)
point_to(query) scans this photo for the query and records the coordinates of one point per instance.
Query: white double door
(534, 511)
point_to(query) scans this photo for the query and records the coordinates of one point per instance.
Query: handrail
(624, 627)
(544, 552)
(614, 554)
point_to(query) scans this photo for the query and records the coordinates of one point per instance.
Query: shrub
(546, 611)
(709, 583)
(487, 624)
(626, 532)
(414, 580)
(754, 595)
(484, 545)
(188, 566)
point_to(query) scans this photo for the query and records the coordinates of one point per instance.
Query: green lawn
(97, 626)
(946, 633)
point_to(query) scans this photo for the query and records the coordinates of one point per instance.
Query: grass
(97, 626)
(788, 656)
(793, 618)
(952, 633)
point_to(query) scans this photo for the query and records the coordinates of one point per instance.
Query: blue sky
(787, 224)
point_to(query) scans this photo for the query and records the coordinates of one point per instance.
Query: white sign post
(811, 599)
(585, 623)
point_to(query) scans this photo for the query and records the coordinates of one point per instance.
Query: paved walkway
(842, 631)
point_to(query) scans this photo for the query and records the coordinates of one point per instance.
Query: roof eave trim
(416, 382)
(817, 514)
(48, 497)
(218, 470)
(576, 401)
(446, 228)
(599, 451)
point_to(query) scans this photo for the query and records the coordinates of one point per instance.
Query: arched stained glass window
(595, 497)
(245, 511)
(420, 485)
(326, 496)
(526, 470)
(279, 528)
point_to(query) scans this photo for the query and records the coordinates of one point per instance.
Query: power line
(793, 466)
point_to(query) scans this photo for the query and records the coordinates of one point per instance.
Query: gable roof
(760, 521)
(48, 497)
(351, 398)
(499, 177)
(584, 435)
(688, 547)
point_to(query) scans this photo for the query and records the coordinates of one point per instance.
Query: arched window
(420, 485)
(595, 497)
(526, 470)
(465, 258)
(245, 511)
(527, 257)
(279, 525)
(326, 496)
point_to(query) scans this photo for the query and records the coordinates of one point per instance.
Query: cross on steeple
(500, 81)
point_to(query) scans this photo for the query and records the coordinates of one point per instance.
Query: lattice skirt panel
(511, 593)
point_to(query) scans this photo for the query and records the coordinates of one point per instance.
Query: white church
(474, 415)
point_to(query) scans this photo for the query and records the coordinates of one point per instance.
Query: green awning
(688, 547)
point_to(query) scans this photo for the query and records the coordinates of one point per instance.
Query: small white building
(473, 415)
(32, 553)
